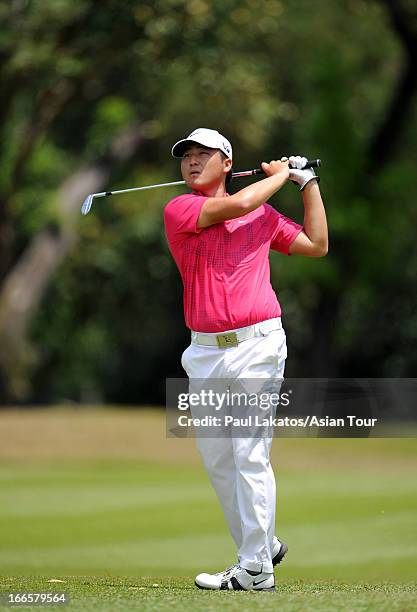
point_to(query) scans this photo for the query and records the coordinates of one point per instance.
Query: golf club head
(85, 208)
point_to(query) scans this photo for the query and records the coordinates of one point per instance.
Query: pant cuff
(254, 566)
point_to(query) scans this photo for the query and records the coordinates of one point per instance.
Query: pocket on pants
(278, 346)
(184, 358)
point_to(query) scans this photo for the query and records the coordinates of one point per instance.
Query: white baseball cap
(208, 138)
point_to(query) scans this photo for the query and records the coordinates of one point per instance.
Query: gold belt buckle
(227, 340)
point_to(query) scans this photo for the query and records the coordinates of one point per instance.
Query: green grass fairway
(108, 594)
(104, 502)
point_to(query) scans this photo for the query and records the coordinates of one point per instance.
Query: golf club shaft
(310, 164)
(109, 193)
(85, 209)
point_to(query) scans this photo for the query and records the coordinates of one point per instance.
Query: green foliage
(277, 77)
(112, 114)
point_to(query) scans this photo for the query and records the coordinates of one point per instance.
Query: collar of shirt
(200, 193)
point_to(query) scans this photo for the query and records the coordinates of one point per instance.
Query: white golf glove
(300, 175)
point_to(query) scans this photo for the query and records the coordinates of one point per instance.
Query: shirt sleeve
(284, 231)
(181, 216)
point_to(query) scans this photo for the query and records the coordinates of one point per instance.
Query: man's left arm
(313, 240)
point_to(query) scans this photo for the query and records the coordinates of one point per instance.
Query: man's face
(203, 168)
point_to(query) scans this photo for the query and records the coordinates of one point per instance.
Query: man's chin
(196, 183)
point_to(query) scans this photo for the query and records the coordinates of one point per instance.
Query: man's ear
(227, 165)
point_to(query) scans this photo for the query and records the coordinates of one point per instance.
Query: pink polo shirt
(225, 267)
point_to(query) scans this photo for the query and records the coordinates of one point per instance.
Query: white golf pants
(239, 468)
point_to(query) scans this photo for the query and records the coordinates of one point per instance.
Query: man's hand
(277, 167)
(300, 176)
(217, 209)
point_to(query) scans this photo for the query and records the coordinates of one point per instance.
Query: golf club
(88, 202)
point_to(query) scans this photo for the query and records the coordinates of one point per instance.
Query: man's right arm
(218, 209)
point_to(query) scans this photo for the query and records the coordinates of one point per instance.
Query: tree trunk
(24, 286)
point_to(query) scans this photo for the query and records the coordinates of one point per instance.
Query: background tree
(95, 93)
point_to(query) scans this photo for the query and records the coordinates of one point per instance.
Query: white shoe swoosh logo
(260, 582)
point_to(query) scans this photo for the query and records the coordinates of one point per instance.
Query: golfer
(221, 246)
